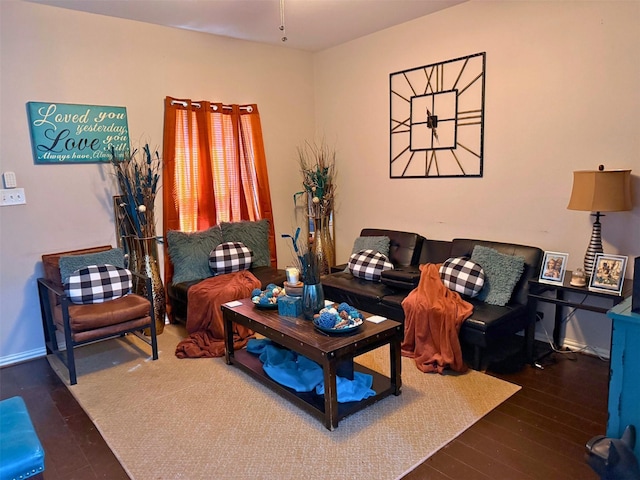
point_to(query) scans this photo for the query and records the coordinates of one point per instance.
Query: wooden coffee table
(331, 352)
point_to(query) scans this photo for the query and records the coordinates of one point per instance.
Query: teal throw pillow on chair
(71, 263)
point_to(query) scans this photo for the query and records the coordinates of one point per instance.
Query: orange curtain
(214, 168)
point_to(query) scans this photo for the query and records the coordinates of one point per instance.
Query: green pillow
(254, 235)
(189, 253)
(375, 243)
(71, 263)
(501, 274)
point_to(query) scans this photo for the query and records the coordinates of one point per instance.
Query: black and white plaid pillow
(369, 265)
(98, 283)
(230, 257)
(463, 276)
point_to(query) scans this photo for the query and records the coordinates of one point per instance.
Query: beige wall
(561, 95)
(56, 55)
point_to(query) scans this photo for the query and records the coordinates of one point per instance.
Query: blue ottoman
(21, 453)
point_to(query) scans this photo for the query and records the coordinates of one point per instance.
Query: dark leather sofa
(488, 326)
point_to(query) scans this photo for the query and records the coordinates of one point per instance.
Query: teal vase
(312, 299)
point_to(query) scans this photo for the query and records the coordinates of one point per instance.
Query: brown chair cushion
(111, 313)
(108, 331)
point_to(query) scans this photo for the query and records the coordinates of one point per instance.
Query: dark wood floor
(539, 433)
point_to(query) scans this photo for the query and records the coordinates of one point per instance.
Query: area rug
(202, 419)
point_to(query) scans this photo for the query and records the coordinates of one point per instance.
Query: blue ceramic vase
(312, 299)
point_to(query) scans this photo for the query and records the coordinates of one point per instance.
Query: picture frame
(66, 133)
(554, 266)
(608, 273)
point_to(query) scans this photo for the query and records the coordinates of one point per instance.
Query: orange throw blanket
(433, 317)
(204, 316)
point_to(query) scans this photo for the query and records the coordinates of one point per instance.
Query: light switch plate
(12, 196)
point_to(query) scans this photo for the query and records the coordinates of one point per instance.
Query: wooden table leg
(396, 365)
(330, 394)
(228, 339)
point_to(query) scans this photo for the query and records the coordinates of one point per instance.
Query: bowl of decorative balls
(267, 298)
(338, 319)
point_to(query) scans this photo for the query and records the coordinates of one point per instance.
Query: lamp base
(595, 245)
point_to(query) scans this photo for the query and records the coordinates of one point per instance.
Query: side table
(624, 388)
(537, 289)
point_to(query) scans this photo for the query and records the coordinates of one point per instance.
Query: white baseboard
(575, 346)
(22, 356)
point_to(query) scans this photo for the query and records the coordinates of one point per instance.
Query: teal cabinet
(624, 381)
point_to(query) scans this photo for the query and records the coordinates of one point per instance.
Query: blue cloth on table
(303, 375)
(287, 367)
(351, 390)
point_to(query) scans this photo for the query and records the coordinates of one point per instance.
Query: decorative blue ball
(256, 292)
(343, 306)
(327, 320)
(271, 286)
(264, 301)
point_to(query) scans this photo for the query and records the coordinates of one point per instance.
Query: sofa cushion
(462, 275)
(437, 251)
(368, 265)
(502, 273)
(70, 263)
(404, 247)
(344, 287)
(254, 235)
(189, 253)
(179, 292)
(98, 283)
(230, 257)
(492, 324)
(376, 243)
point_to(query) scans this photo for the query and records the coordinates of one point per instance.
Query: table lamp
(599, 191)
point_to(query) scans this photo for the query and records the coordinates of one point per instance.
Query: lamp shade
(601, 191)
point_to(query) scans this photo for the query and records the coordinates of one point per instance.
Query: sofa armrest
(404, 278)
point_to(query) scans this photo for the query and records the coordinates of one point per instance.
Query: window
(214, 167)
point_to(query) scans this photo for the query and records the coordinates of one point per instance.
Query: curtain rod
(247, 108)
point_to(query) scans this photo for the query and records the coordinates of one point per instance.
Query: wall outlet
(12, 196)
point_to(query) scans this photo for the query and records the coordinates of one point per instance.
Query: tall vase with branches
(317, 165)
(137, 178)
(306, 263)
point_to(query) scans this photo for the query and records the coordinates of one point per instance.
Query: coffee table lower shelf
(311, 402)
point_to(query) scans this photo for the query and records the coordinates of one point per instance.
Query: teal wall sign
(67, 133)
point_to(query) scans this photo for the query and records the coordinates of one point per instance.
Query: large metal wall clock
(437, 119)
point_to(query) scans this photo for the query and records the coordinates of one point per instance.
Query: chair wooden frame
(46, 286)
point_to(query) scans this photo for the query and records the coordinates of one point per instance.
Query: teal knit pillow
(71, 263)
(501, 274)
(189, 253)
(254, 235)
(375, 243)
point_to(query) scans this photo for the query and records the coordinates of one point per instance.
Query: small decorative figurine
(578, 278)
